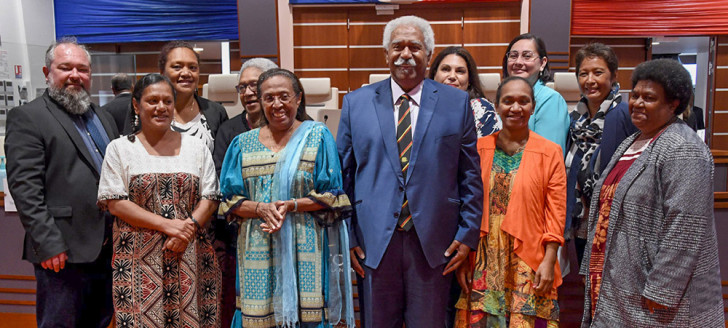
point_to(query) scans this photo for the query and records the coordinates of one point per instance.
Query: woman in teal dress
(283, 183)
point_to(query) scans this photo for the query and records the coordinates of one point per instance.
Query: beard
(74, 102)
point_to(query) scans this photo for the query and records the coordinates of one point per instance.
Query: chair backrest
(205, 87)
(566, 84)
(319, 92)
(374, 78)
(329, 116)
(221, 89)
(489, 82)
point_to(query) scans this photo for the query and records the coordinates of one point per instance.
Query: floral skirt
(502, 293)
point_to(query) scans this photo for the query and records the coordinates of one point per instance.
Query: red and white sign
(18, 72)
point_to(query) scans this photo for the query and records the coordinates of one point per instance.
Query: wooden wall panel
(721, 100)
(630, 51)
(484, 28)
(721, 76)
(719, 119)
(497, 32)
(320, 35)
(321, 58)
(491, 56)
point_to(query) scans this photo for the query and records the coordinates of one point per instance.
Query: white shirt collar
(415, 94)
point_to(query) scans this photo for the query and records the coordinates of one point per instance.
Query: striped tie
(404, 143)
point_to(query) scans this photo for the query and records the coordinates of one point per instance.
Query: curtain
(113, 21)
(649, 17)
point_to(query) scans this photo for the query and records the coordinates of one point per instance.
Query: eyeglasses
(526, 55)
(253, 86)
(283, 98)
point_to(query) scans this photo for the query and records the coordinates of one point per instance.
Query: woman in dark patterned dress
(162, 188)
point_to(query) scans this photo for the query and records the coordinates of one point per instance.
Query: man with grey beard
(55, 147)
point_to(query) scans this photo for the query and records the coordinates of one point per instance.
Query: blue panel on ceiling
(113, 21)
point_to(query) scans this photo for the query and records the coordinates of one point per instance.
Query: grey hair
(51, 52)
(263, 64)
(418, 22)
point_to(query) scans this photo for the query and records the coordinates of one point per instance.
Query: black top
(214, 113)
(225, 135)
(120, 109)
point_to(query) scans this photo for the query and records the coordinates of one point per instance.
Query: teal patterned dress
(321, 273)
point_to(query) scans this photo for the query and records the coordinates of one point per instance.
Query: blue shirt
(550, 118)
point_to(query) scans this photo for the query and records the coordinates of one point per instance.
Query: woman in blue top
(526, 57)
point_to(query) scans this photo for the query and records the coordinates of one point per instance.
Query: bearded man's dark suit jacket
(54, 181)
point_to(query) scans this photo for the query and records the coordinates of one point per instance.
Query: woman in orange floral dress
(511, 281)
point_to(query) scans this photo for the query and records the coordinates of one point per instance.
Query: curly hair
(671, 75)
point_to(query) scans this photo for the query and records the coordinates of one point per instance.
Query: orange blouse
(536, 212)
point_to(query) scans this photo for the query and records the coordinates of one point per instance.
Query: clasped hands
(180, 233)
(272, 214)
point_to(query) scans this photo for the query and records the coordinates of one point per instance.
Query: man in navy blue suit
(412, 171)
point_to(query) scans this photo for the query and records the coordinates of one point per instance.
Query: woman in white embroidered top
(162, 187)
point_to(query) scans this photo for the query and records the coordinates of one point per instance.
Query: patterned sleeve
(231, 179)
(209, 188)
(328, 189)
(114, 179)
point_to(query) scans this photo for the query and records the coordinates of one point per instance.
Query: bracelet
(256, 209)
(199, 227)
(295, 205)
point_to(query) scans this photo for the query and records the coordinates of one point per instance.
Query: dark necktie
(95, 134)
(404, 143)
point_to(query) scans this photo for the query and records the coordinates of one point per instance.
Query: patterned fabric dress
(502, 292)
(318, 177)
(599, 246)
(153, 287)
(487, 121)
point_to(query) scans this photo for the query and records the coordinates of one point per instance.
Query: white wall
(26, 29)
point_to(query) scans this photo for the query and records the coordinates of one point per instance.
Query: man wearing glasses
(250, 118)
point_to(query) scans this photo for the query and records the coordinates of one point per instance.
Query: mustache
(400, 62)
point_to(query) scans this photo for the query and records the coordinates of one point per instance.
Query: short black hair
(671, 75)
(297, 88)
(169, 46)
(121, 82)
(545, 75)
(509, 80)
(474, 90)
(598, 50)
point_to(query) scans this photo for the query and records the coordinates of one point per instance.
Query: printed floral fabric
(599, 246)
(154, 287)
(502, 290)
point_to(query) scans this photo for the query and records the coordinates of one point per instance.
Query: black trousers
(77, 296)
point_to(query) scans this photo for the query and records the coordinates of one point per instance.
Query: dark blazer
(225, 134)
(214, 113)
(443, 183)
(617, 127)
(120, 108)
(54, 181)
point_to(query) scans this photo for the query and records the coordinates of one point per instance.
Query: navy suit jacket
(443, 183)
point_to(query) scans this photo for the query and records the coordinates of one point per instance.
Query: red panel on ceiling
(649, 17)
